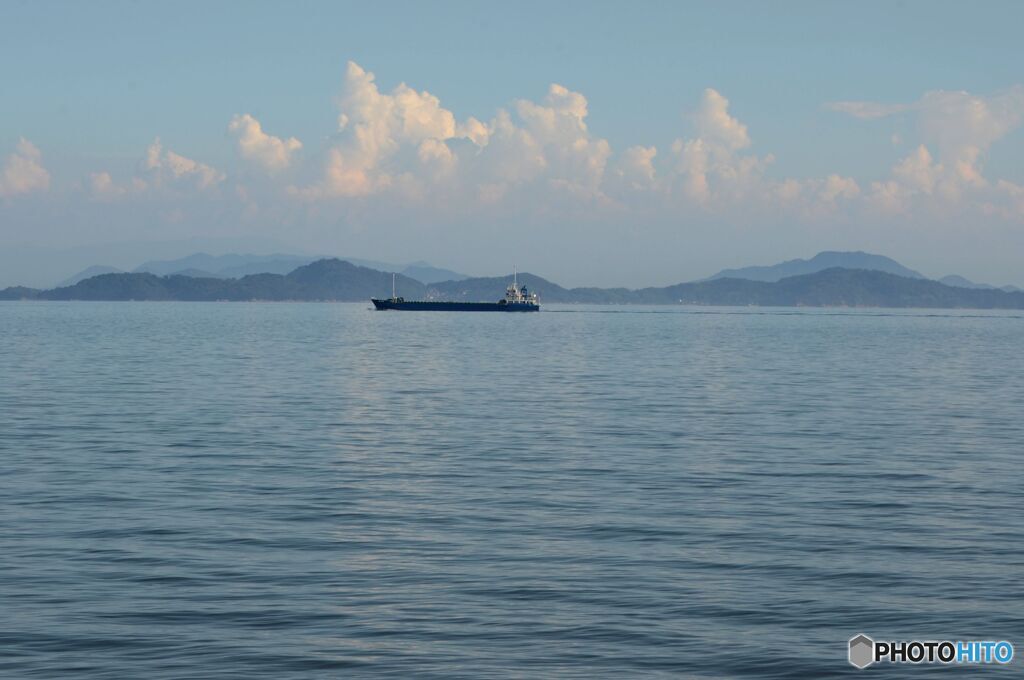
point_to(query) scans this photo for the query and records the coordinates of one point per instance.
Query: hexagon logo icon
(862, 651)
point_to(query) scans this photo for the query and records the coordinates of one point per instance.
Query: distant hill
(961, 282)
(201, 265)
(230, 266)
(197, 274)
(88, 272)
(824, 260)
(20, 293)
(338, 280)
(279, 265)
(834, 287)
(425, 272)
(332, 279)
(837, 287)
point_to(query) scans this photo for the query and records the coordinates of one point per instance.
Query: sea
(261, 490)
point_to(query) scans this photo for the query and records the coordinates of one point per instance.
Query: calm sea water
(318, 490)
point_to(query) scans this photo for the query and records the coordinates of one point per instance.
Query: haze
(596, 144)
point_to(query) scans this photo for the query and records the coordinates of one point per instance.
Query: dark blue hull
(427, 306)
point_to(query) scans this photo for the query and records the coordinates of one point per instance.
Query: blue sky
(750, 109)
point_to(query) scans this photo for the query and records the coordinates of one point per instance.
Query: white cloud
(377, 126)
(273, 153)
(636, 167)
(401, 151)
(102, 186)
(473, 130)
(406, 144)
(693, 166)
(405, 140)
(709, 167)
(559, 129)
(957, 130)
(163, 167)
(959, 123)
(836, 187)
(716, 125)
(917, 171)
(23, 171)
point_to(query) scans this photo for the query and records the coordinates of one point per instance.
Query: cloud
(959, 125)
(376, 126)
(102, 186)
(401, 151)
(836, 187)
(957, 129)
(405, 144)
(716, 125)
(962, 125)
(23, 171)
(558, 128)
(406, 140)
(164, 167)
(709, 167)
(636, 167)
(253, 144)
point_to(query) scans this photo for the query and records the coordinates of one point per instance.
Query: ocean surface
(220, 490)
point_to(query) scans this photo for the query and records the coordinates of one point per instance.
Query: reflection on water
(307, 490)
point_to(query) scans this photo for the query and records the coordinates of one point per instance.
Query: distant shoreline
(333, 280)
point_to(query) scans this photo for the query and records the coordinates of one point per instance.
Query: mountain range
(231, 266)
(829, 259)
(201, 265)
(823, 260)
(961, 282)
(339, 280)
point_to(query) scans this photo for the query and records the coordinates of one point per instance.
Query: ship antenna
(515, 276)
(392, 285)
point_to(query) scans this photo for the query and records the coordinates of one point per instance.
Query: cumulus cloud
(958, 129)
(255, 145)
(710, 167)
(376, 127)
(400, 148)
(164, 167)
(23, 171)
(102, 186)
(716, 125)
(636, 167)
(953, 121)
(405, 140)
(559, 129)
(159, 169)
(836, 187)
(962, 125)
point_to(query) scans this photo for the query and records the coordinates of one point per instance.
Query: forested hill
(341, 281)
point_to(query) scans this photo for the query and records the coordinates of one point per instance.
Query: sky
(593, 143)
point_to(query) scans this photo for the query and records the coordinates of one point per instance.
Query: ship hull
(428, 306)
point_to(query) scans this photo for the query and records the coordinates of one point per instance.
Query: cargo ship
(516, 300)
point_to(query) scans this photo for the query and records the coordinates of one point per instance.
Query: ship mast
(515, 276)
(392, 285)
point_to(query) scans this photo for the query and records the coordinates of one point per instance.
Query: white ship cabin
(514, 295)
